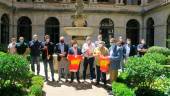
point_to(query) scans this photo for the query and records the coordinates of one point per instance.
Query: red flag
(104, 63)
(74, 62)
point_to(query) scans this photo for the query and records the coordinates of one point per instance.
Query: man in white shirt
(87, 51)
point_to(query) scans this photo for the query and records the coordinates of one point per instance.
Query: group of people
(118, 52)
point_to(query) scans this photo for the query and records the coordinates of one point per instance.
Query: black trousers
(50, 62)
(72, 75)
(35, 60)
(100, 75)
(89, 61)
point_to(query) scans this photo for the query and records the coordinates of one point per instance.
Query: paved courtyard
(74, 89)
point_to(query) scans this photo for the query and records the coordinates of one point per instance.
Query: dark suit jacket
(58, 50)
(133, 50)
(50, 47)
(71, 51)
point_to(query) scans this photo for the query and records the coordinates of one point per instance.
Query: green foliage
(12, 90)
(168, 60)
(120, 89)
(168, 92)
(124, 78)
(142, 72)
(36, 90)
(37, 80)
(157, 49)
(158, 57)
(144, 91)
(162, 84)
(14, 68)
(37, 85)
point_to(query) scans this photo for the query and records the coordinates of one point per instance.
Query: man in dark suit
(35, 49)
(130, 49)
(47, 56)
(61, 49)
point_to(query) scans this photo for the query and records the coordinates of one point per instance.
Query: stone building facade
(134, 19)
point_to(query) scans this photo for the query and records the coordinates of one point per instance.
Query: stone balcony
(90, 7)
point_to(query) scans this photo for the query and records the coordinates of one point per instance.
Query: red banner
(104, 63)
(75, 61)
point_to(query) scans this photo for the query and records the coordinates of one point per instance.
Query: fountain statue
(79, 21)
(78, 31)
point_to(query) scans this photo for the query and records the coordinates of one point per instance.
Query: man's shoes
(97, 83)
(53, 80)
(91, 81)
(66, 81)
(78, 81)
(71, 81)
(46, 80)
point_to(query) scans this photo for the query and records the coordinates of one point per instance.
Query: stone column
(144, 2)
(117, 1)
(121, 1)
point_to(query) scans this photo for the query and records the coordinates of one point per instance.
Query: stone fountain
(78, 31)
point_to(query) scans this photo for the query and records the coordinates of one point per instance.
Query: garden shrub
(144, 91)
(162, 84)
(36, 90)
(120, 89)
(168, 60)
(37, 80)
(158, 57)
(143, 71)
(14, 70)
(157, 49)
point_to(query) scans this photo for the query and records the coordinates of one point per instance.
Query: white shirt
(87, 50)
(127, 50)
(12, 48)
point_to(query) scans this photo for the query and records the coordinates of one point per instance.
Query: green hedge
(157, 49)
(143, 71)
(158, 57)
(14, 68)
(36, 90)
(37, 85)
(14, 74)
(120, 89)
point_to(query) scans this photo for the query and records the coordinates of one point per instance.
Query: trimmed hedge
(37, 85)
(36, 90)
(158, 57)
(157, 49)
(120, 89)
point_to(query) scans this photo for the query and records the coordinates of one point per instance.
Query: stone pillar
(121, 1)
(117, 1)
(92, 1)
(144, 2)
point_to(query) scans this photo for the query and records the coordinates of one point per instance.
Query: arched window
(24, 28)
(150, 32)
(52, 28)
(107, 30)
(132, 31)
(4, 29)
